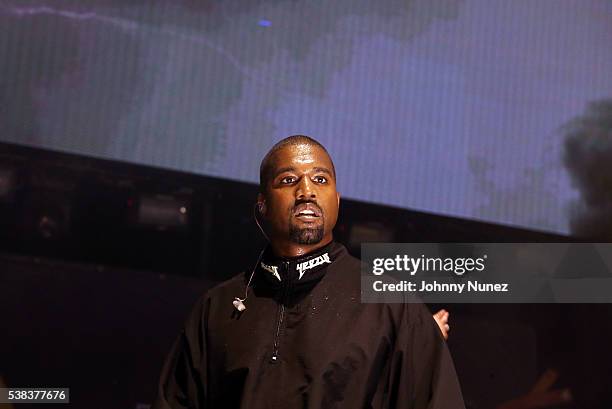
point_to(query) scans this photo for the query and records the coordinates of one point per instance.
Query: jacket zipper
(281, 315)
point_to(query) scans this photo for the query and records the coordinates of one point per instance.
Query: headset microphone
(238, 303)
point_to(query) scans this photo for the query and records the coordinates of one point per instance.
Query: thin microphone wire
(255, 213)
(246, 290)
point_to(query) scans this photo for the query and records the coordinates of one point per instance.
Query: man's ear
(261, 205)
(338, 199)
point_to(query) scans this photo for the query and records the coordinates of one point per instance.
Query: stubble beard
(306, 235)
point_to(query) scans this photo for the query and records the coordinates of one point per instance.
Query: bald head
(266, 169)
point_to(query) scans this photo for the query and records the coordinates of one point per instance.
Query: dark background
(96, 278)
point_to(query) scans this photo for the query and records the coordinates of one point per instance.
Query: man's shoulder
(231, 288)
(344, 259)
(235, 284)
(346, 266)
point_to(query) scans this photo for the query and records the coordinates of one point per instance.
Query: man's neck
(292, 250)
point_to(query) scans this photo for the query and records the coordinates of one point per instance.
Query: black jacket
(307, 343)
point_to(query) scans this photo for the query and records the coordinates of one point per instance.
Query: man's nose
(305, 189)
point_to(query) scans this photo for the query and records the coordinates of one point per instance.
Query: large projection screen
(452, 107)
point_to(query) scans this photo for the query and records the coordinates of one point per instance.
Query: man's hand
(541, 395)
(441, 318)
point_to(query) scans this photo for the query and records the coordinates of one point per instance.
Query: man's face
(301, 198)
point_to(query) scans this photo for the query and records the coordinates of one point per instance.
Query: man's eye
(287, 180)
(320, 179)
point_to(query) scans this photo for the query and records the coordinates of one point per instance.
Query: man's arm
(182, 382)
(423, 373)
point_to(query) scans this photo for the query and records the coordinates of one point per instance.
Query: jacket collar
(299, 270)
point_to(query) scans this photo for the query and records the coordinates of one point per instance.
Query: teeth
(307, 213)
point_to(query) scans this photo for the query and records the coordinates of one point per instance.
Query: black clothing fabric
(307, 343)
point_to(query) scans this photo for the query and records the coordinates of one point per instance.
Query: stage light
(48, 214)
(161, 212)
(7, 184)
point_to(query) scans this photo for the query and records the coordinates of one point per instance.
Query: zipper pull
(285, 268)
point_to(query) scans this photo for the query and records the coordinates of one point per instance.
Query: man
(293, 333)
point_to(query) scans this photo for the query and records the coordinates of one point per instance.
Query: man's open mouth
(307, 212)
